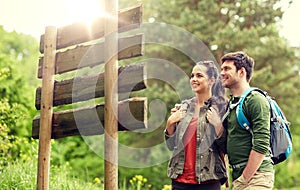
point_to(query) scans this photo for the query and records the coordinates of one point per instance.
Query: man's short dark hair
(240, 60)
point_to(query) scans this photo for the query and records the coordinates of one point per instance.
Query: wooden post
(111, 95)
(46, 109)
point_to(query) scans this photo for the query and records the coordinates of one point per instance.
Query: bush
(9, 115)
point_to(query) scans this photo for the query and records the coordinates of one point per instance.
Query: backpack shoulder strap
(241, 118)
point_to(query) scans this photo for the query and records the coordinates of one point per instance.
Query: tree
(19, 53)
(10, 114)
(232, 25)
(249, 26)
(223, 26)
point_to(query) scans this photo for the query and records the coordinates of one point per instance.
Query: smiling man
(248, 152)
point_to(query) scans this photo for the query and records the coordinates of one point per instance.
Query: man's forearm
(254, 161)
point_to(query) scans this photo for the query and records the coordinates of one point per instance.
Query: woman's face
(199, 79)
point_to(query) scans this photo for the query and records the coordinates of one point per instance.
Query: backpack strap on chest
(241, 118)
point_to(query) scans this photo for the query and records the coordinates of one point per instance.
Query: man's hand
(254, 161)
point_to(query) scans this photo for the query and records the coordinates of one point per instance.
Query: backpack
(280, 135)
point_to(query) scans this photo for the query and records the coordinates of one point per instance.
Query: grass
(22, 176)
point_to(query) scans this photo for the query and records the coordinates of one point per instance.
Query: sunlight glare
(84, 11)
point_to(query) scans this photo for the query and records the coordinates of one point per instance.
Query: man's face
(229, 74)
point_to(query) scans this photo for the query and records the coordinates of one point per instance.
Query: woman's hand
(213, 117)
(177, 114)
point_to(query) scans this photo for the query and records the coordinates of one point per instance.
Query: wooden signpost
(63, 51)
(111, 96)
(46, 111)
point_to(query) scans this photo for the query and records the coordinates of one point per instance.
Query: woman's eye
(198, 75)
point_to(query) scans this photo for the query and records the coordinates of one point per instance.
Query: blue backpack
(280, 135)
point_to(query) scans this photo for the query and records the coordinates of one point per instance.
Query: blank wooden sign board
(69, 48)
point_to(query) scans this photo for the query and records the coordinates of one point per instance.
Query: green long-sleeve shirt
(240, 141)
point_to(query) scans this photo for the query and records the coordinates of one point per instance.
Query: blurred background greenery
(223, 26)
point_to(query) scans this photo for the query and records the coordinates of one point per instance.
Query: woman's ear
(212, 81)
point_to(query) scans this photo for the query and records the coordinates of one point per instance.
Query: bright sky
(32, 16)
(290, 23)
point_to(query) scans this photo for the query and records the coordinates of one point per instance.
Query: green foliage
(249, 26)
(223, 26)
(10, 114)
(286, 173)
(22, 175)
(138, 182)
(73, 150)
(18, 176)
(282, 179)
(20, 172)
(156, 176)
(21, 158)
(13, 147)
(19, 53)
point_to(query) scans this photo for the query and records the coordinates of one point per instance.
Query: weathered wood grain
(90, 120)
(131, 78)
(46, 112)
(92, 55)
(81, 32)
